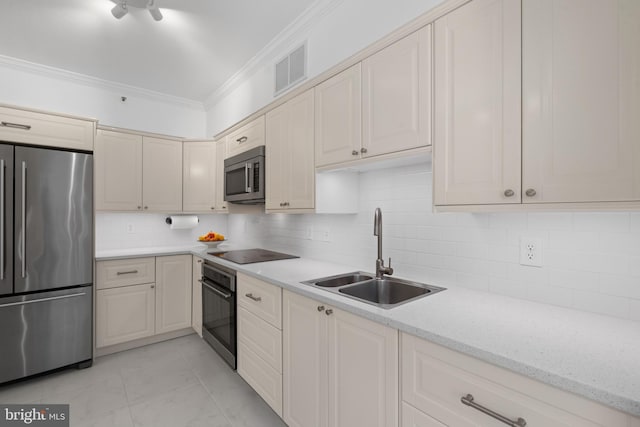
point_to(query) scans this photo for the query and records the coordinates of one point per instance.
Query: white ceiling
(198, 45)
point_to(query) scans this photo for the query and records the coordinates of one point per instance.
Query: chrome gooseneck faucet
(381, 270)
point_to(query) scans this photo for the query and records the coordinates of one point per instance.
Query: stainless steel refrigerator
(46, 260)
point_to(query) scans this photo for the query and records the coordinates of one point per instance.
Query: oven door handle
(222, 294)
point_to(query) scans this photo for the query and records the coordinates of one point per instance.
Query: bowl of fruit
(211, 239)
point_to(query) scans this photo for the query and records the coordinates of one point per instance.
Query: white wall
(37, 87)
(349, 27)
(591, 260)
(150, 230)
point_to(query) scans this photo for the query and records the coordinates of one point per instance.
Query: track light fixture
(122, 8)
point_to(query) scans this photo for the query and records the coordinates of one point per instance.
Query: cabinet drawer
(51, 130)
(262, 377)
(125, 272)
(260, 298)
(434, 380)
(411, 417)
(262, 338)
(248, 136)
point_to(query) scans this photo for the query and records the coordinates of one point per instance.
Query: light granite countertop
(591, 355)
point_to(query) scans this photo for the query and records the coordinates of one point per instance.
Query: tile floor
(181, 382)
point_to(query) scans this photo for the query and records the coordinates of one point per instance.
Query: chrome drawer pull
(15, 125)
(256, 299)
(468, 400)
(242, 139)
(120, 273)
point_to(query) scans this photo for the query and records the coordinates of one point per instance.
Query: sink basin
(385, 291)
(340, 280)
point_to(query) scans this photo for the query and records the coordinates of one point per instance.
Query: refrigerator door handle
(32, 301)
(24, 219)
(1, 219)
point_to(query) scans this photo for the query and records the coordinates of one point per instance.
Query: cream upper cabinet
(339, 369)
(477, 147)
(173, 293)
(246, 137)
(221, 154)
(137, 173)
(290, 172)
(51, 130)
(161, 175)
(199, 176)
(396, 96)
(581, 101)
(338, 117)
(118, 171)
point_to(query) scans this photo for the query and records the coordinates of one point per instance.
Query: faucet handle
(389, 269)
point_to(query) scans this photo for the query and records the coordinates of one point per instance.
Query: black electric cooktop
(250, 256)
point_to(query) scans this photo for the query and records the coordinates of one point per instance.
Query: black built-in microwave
(244, 177)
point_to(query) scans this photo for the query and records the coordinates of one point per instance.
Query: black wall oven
(219, 310)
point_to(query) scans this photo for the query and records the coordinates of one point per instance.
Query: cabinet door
(196, 296)
(161, 175)
(247, 137)
(118, 171)
(396, 96)
(124, 314)
(199, 172)
(221, 154)
(581, 68)
(300, 178)
(277, 157)
(173, 295)
(304, 362)
(338, 115)
(477, 146)
(363, 372)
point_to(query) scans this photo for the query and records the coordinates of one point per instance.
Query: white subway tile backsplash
(591, 260)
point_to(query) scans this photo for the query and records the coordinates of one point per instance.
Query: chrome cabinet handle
(242, 139)
(363, 150)
(321, 308)
(153, 286)
(256, 299)
(530, 192)
(120, 273)
(354, 153)
(468, 400)
(328, 312)
(139, 207)
(24, 219)
(200, 260)
(1, 219)
(213, 207)
(15, 125)
(146, 207)
(509, 193)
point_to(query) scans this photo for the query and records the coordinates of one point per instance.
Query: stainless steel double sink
(387, 292)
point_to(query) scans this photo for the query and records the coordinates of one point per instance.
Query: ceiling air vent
(291, 69)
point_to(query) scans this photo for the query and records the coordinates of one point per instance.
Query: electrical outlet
(531, 251)
(131, 229)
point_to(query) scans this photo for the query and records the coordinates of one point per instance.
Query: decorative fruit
(211, 237)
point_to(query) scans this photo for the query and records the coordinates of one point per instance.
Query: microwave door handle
(247, 177)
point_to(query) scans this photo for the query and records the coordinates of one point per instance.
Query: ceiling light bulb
(119, 10)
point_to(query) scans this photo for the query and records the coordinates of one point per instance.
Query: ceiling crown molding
(95, 82)
(295, 32)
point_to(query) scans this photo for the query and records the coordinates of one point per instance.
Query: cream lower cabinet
(290, 171)
(340, 370)
(435, 379)
(137, 173)
(196, 295)
(141, 297)
(260, 338)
